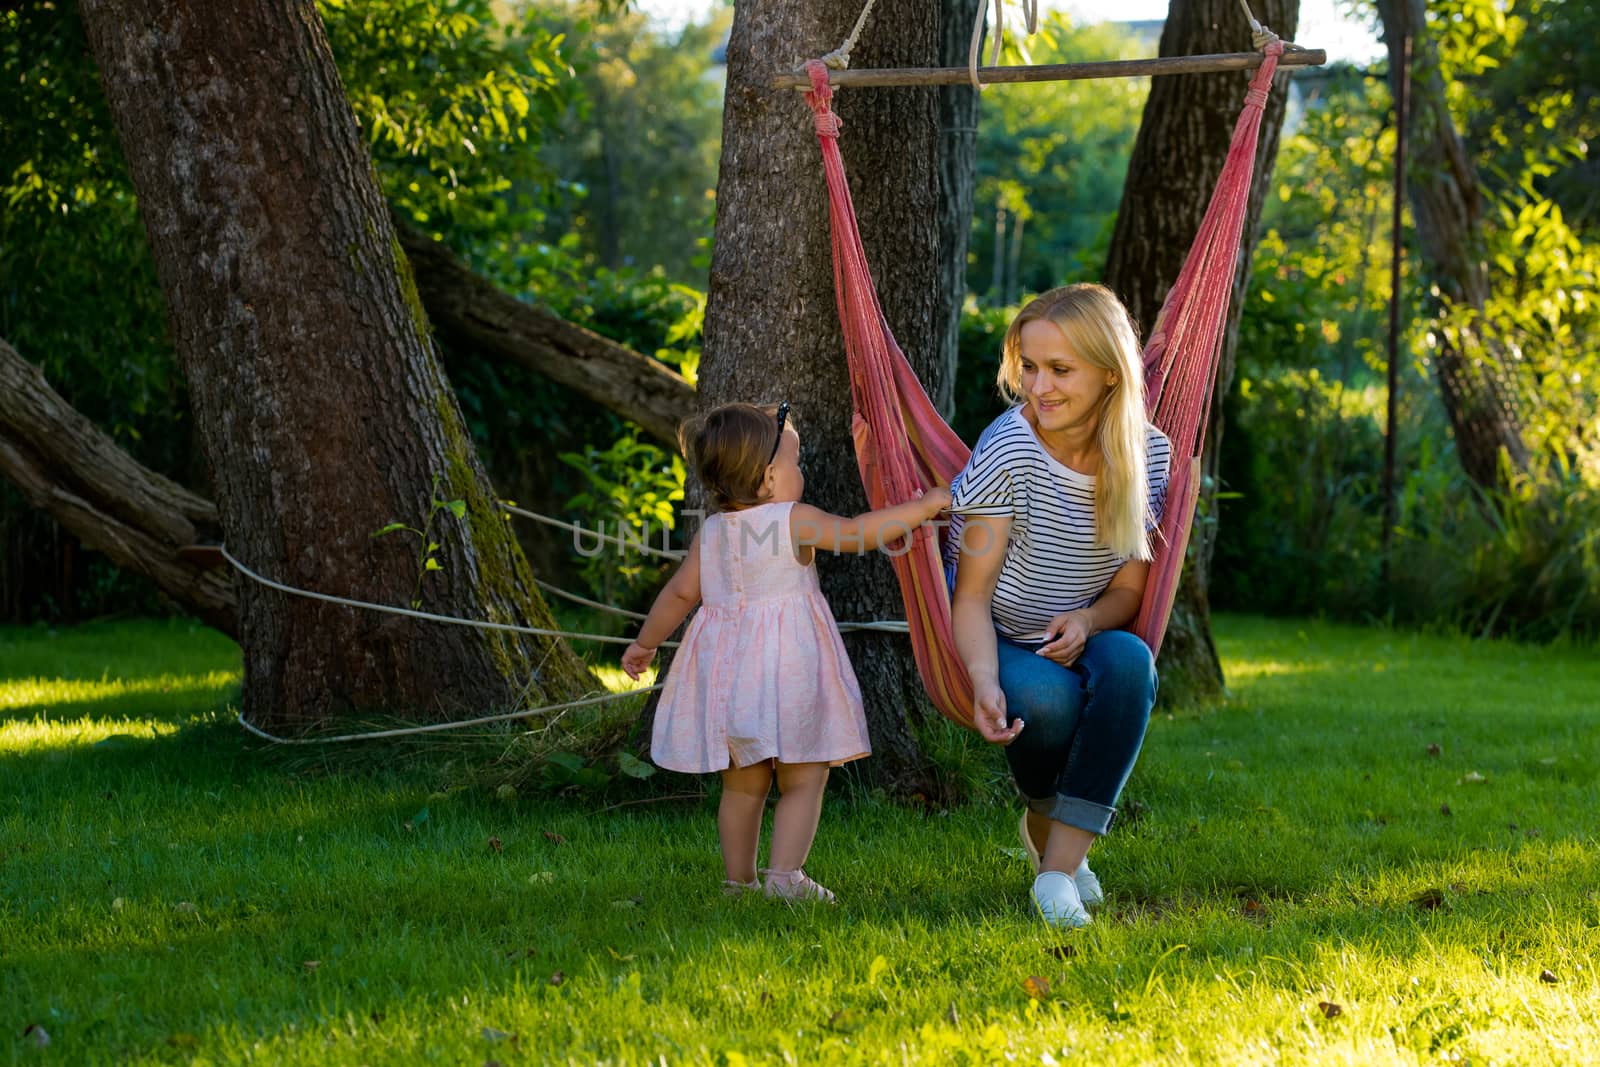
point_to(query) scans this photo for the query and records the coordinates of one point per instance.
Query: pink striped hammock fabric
(903, 447)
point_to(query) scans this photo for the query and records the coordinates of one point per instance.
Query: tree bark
(1182, 144)
(1480, 395)
(958, 162)
(66, 466)
(772, 329)
(473, 313)
(321, 409)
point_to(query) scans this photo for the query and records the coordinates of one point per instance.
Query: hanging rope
(1030, 12)
(839, 58)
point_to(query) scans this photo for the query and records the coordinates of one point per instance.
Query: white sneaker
(1089, 891)
(1056, 896)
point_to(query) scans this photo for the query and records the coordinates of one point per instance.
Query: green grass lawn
(170, 892)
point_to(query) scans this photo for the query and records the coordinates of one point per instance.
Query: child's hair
(730, 447)
(1101, 333)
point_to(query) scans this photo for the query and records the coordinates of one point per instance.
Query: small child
(761, 686)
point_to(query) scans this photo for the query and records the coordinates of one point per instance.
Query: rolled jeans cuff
(1073, 811)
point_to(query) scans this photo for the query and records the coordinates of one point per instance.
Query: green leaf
(458, 508)
(633, 766)
(389, 529)
(432, 565)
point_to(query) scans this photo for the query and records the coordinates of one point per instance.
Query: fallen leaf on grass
(506, 792)
(310, 965)
(1330, 1009)
(619, 957)
(554, 838)
(494, 843)
(1429, 899)
(845, 1020)
(491, 1034)
(185, 907)
(118, 904)
(1036, 987)
(1435, 750)
(1472, 778)
(1253, 909)
(557, 978)
(1548, 977)
(36, 1035)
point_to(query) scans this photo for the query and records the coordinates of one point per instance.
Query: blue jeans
(1085, 724)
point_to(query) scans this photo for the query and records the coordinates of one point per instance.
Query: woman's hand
(936, 500)
(636, 658)
(989, 714)
(1065, 637)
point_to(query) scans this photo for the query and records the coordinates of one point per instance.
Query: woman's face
(1063, 391)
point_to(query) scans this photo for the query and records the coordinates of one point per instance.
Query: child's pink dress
(761, 672)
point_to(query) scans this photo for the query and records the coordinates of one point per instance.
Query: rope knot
(1256, 98)
(828, 124)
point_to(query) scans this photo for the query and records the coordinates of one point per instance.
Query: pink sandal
(732, 888)
(795, 885)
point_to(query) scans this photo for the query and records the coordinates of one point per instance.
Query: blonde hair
(730, 447)
(1100, 332)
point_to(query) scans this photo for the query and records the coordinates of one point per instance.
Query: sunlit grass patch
(46, 693)
(1340, 866)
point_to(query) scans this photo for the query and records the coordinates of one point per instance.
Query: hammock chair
(903, 447)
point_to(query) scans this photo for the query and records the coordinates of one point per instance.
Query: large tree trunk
(1183, 141)
(772, 327)
(958, 161)
(319, 401)
(473, 313)
(1480, 395)
(66, 466)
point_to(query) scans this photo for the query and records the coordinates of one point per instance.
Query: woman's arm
(813, 528)
(676, 599)
(983, 555)
(1115, 608)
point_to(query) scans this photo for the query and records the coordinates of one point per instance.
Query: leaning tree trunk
(772, 326)
(317, 394)
(68, 467)
(1183, 141)
(474, 314)
(1480, 395)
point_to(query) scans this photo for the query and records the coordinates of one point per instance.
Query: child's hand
(636, 658)
(936, 500)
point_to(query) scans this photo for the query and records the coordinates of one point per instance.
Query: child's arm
(676, 599)
(813, 528)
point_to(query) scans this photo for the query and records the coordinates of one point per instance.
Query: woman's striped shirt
(1054, 562)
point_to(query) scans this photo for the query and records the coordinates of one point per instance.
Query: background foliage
(568, 151)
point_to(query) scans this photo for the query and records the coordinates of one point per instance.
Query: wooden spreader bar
(1055, 72)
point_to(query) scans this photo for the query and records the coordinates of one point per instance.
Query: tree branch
(469, 310)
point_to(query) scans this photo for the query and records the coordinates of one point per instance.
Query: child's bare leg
(794, 823)
(744, 800)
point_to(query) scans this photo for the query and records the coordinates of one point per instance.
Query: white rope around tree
(429, 616)
(437, 727)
